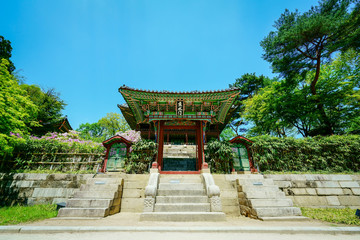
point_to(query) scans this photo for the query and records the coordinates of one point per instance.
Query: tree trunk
(324, 118)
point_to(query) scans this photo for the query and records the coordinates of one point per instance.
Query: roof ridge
(179, 92)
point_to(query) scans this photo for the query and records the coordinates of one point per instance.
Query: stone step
(277, 211)
(262, 194)
(162, 192)
(89, 203)
(271, 202)
(183, 216)
(96, 194)
(99, 187)
(247, 188)
(243, 176)
(182, 207)
(178, 178)
(104, 181)
(181, 186)
(182, 199)
(180, 156)
(83, 212)
(256, 182)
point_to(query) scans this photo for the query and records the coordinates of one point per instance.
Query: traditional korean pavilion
(178, 118)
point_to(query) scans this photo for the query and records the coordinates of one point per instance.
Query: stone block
(317, 177)
(339, 177)
(349, 184)
(229, 194)
(231, 210)
(59, 200)
(311, 191)
(299, 191)
(300, 184)
(52, 192)
(355, 177)
(133, 185)
(355, 191)
(229, 201)
(347, 191)
(329, 191)
(327, 184)
(133, 193)
(349, 200)
(310, 201)
(114, 210)
(283, 184)
(83, 212)
(132, 205)
(277, 212)
(333, 200)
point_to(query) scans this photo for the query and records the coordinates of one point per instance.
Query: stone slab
(183, 217)
(333, 200)
(349, 184)
(329, 191)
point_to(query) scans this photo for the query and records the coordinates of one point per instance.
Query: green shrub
(329, 154)
(219, 156)
(52, 147)
(141, 157)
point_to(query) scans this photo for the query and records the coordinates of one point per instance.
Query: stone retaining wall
(320, 190)
(31, 188)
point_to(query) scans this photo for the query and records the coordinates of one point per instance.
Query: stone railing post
(150, 192)
(213, 192)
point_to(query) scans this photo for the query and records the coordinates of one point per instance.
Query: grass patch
(22, 214)
(333, 215)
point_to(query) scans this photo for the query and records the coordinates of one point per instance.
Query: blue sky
(87, 49)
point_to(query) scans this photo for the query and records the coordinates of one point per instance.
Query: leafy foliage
(331, 154)
(5, 53)
(141, 157)
(105, 128)
(249, 85)
(49, 107)
(16, 109)
(277, 109)
(219, 156)
(303, 42)
(30, 149)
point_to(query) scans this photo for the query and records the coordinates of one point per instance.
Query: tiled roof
(172, 92)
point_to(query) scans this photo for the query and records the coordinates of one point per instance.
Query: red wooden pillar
(198, 143)
(161, 143)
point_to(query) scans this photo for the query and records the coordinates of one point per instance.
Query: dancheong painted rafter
(145, 106)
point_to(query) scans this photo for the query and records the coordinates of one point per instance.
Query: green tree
(92, 131)
(303, 42)
(5, 53)
(17, 111)
(105, 128)
(49, 107)
(277, 109)
(249, 84)
(113, 123)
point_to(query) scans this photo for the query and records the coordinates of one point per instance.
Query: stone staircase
(181, 198)
(99, 197)
(261, 199)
